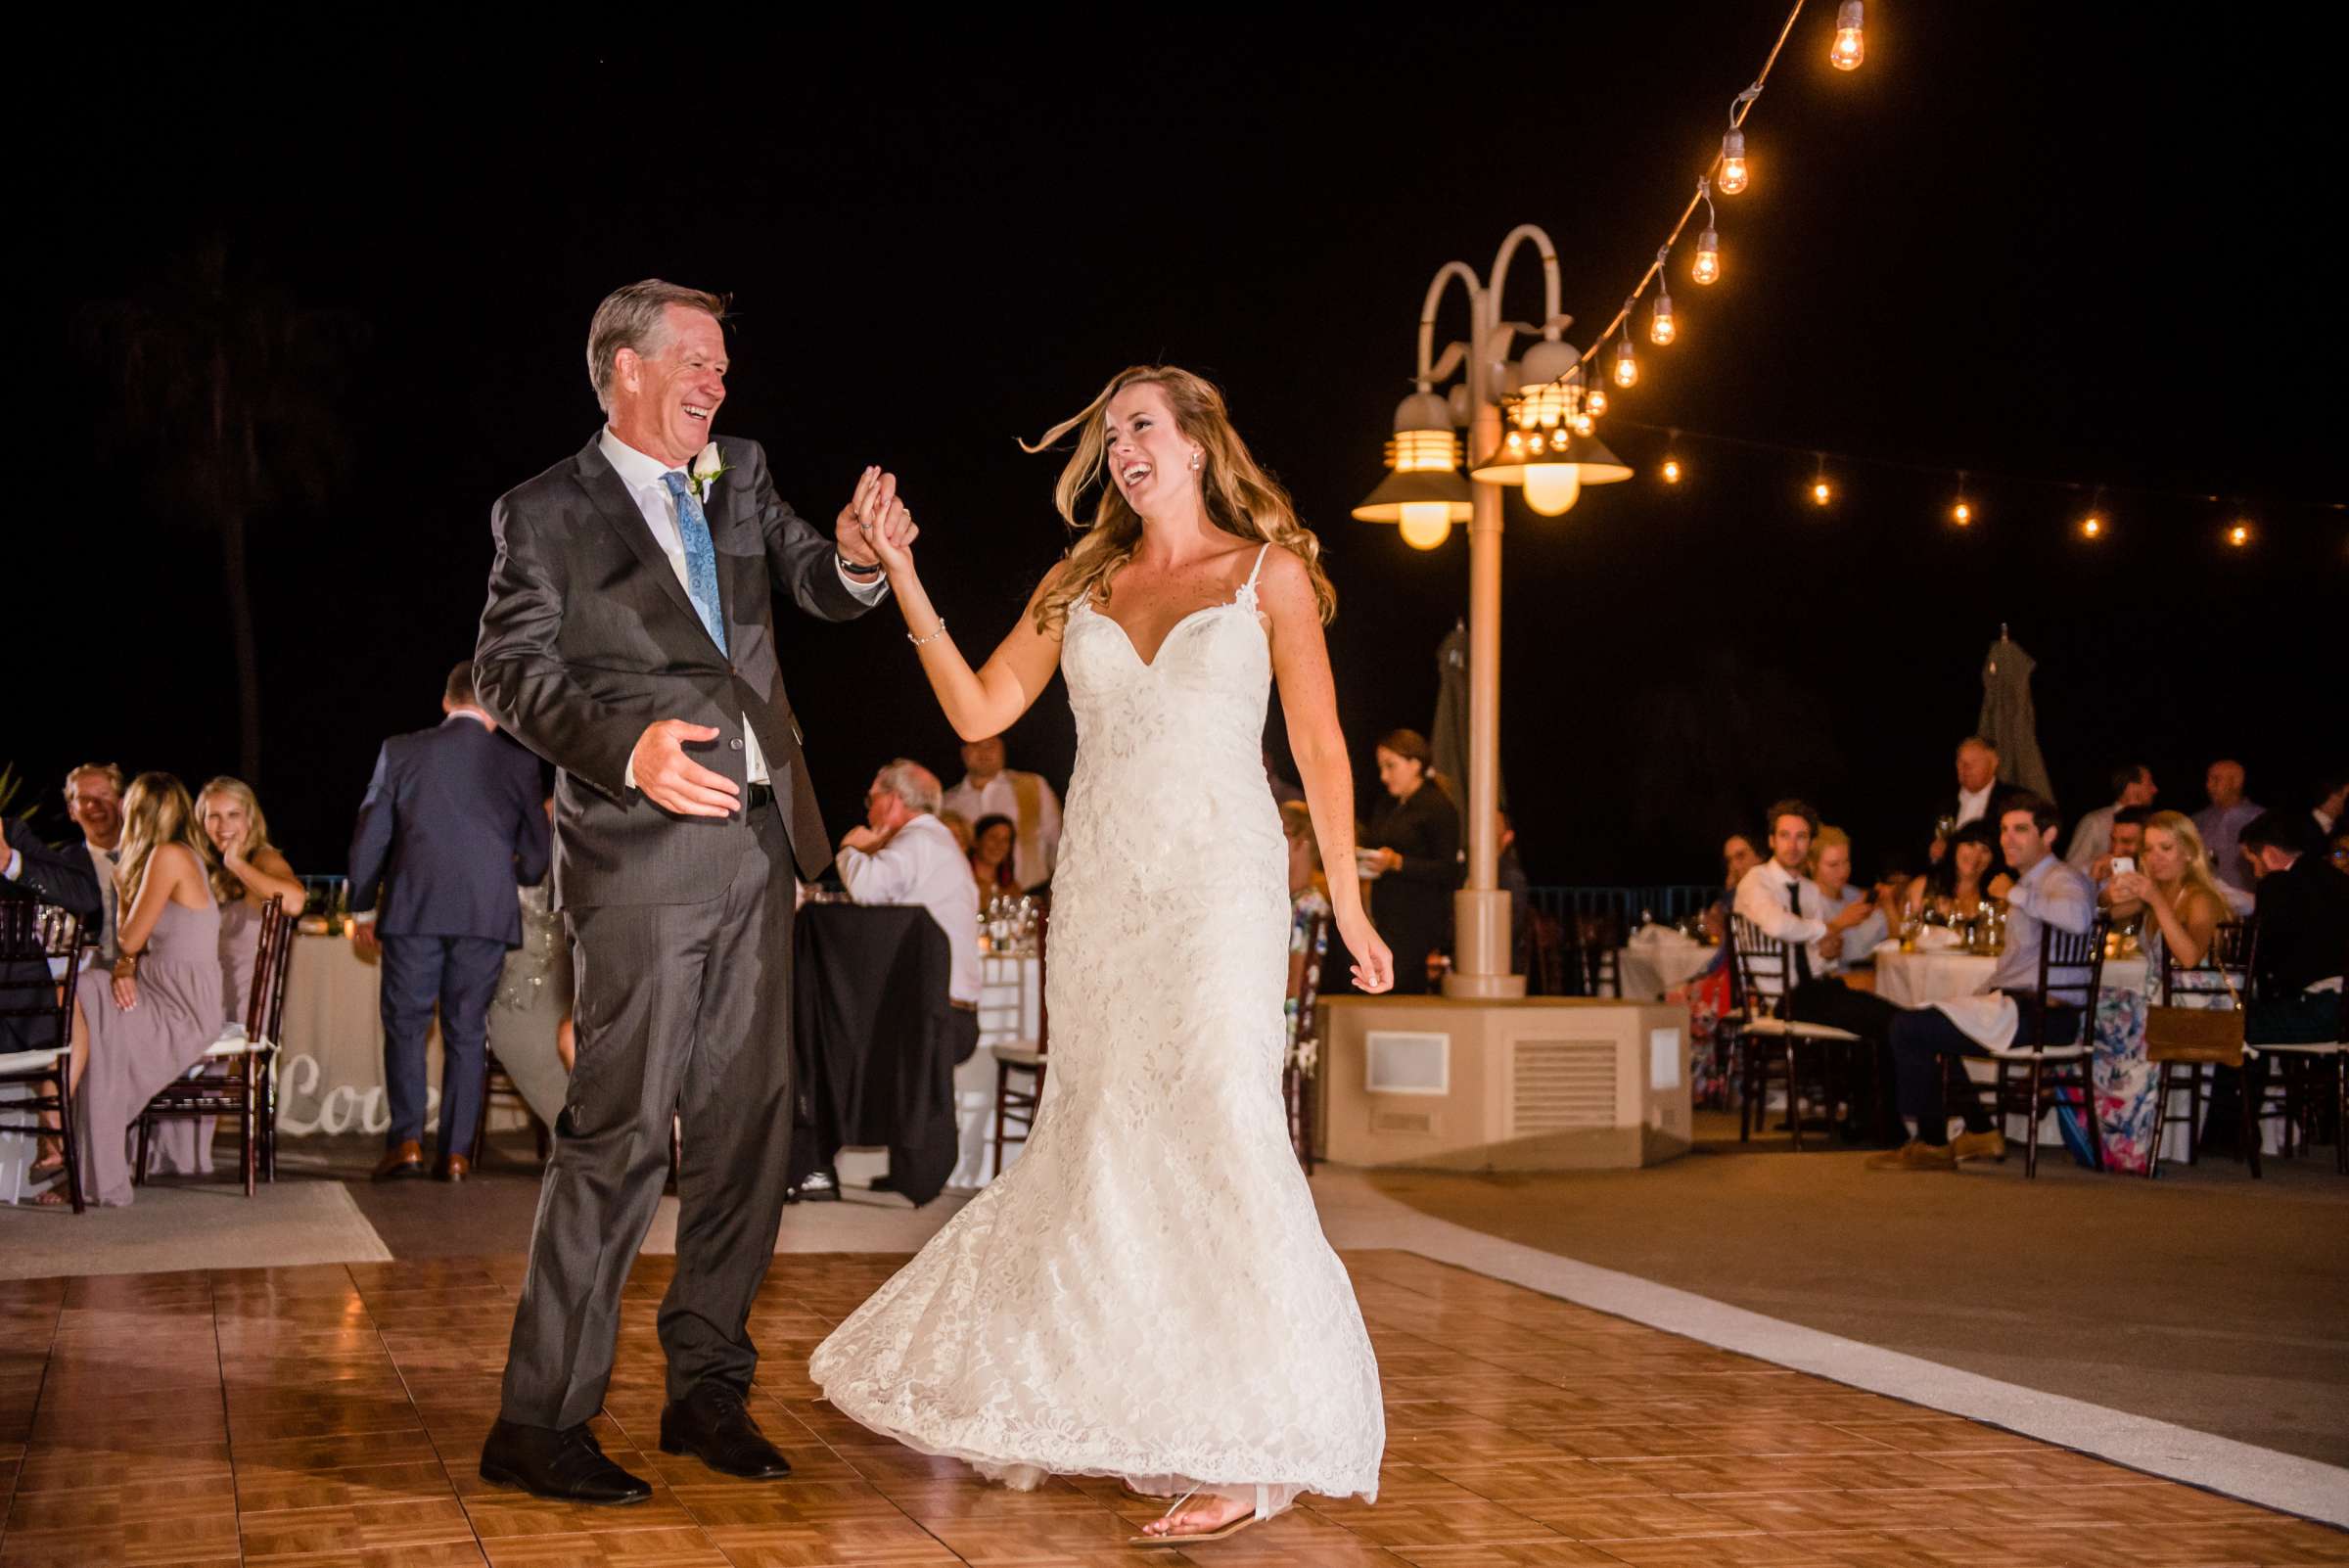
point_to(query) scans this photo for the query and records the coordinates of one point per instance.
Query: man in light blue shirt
(2042, 891)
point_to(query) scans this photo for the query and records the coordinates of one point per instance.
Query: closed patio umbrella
(1447, 736)
(2007, 720)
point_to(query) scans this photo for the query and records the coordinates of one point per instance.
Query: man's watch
(857, 569)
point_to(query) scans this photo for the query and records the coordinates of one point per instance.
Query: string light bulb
(1851, 46)
(1706, 268)
(1594, 400)
(2092, 527)
(1822, 492)
(1961, 512)
(2238, 533)
(1626, 363)
(1660, 328)
(1735, 176)
(1672, 471)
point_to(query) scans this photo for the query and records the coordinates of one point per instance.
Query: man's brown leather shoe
(1915, 1155)
(403, 1160)
(453, 1168)
(1990, 1145)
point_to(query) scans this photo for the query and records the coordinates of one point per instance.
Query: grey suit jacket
(589, 637)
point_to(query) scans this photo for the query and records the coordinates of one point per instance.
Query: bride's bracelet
(937, 632)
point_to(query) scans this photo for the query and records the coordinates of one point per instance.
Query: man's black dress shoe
(566, 1465)
(713, 1425)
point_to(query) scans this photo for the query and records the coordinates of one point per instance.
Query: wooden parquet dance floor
(333, 1414)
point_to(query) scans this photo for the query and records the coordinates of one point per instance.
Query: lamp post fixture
(1546, 448)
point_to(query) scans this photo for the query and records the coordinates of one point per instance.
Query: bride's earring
(1195, 461)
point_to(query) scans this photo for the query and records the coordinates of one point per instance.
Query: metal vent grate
(1560, 1084)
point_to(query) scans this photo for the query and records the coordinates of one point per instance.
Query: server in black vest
(630, 638)
(452, 823)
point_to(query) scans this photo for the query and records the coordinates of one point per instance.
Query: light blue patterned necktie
(701, 558)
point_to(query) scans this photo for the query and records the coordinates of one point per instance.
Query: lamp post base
(1480, 946)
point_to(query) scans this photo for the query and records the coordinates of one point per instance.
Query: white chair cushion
(2326, 1048)
(1780, 1028)
(1019, 1055)
(2039, 1053)
(30, 1061)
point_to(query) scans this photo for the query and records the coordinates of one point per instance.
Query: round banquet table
(1652, 966)
(1915, 978)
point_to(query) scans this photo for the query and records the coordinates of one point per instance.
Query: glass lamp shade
(1425, 525)
(1405, 494)
(1585, 457)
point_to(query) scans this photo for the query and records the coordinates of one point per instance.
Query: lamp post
(1425, 493)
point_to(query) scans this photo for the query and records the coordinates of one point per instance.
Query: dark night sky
(2022, 239)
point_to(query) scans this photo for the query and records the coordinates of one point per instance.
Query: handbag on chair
(2196, 1033)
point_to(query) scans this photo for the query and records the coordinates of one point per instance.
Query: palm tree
(227, 383)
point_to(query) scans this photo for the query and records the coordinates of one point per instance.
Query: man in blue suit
(454, 822)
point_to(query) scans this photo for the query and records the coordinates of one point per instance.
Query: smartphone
(2122, 863)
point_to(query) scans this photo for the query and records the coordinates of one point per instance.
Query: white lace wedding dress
(1146, 1294)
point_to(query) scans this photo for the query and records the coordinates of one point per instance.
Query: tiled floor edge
(2273, 1480)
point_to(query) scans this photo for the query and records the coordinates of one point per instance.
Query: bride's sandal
(1171, 1538)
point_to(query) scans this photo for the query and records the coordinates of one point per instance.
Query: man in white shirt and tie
(2042, 891)
(904, 854)
(989, 789)
(1777, 900)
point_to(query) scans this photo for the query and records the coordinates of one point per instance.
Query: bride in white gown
(1147, 1294)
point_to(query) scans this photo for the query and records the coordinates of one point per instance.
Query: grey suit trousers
(682, 1009)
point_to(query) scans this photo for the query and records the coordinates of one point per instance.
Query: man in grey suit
(630, 639)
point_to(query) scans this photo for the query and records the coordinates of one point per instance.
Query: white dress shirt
(921, 863)
(1973, 803)
(1032, 863)
(642, 475)
(1763, 902)
(2091, 838)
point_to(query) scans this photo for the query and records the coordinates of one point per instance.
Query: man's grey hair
(909, 781)
(637, 317)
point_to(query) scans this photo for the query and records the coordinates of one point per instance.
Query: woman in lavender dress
(153, 1018)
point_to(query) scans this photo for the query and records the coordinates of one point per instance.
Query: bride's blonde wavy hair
(1240, 497)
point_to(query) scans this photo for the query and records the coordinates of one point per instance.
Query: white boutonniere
(707, 467)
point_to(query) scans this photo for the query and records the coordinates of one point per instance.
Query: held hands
(1373, 965)
(858, 520)
(674, 781)
(892, 538)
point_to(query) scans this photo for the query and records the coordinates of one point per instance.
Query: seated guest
(961, 826)
(94, 801)
(1980, 797)
(1960, 880)
(1830, 866)
(2132, 786)
(904, 854)
(1738, 856)
(2128, 843)
(1785, 906)
(2043, 893)
(1309, 901)
(994, 858)
(2332, 794)
(1417, 859)
(2174, 892)
(246, 872)
(161, 1009)
(32, 871)
(2303, 935)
